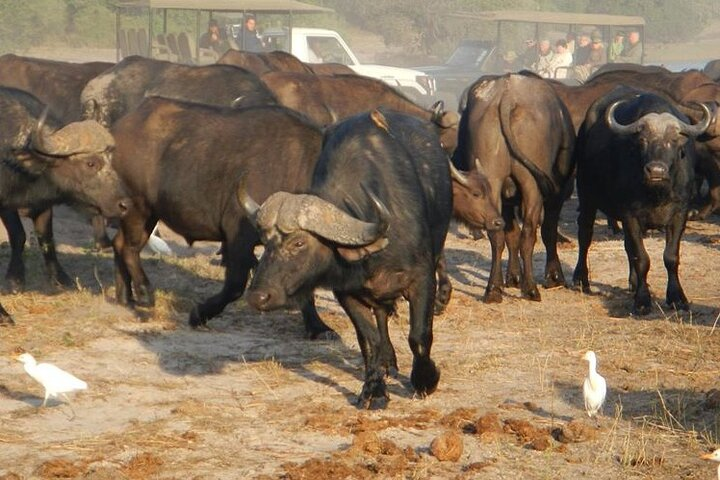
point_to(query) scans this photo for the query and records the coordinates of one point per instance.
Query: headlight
(427, 82)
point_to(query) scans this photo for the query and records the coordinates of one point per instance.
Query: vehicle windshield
(467, 55)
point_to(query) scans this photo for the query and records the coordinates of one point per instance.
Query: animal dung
(447, 446)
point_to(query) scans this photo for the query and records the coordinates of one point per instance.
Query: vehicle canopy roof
(569, 18)
(255, 6)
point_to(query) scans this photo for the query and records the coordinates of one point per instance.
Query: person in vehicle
(561, 61)
(616, 48)
(543, 65)
(214, 38)
(632, 53)
(250, 39)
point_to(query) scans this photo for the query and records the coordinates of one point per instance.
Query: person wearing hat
(598, 56)
(582, 50)
(616, 47)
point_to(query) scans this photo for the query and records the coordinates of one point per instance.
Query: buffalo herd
(349, 185)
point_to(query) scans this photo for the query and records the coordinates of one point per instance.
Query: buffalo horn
(37, 137)
(328, 221)
(246, 202)
(437, 110)
(457, 174)
(617, 127)
(87, 136)
(700, 127)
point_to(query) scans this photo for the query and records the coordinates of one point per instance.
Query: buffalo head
(471, 199)
(662, 139)
(305, 238)
(77, 159)
(447, 123)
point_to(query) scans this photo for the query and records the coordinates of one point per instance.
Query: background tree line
(419, 26)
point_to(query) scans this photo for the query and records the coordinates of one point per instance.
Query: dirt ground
(250, 398)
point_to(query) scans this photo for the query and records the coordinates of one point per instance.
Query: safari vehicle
(178, 46)
(504, 35)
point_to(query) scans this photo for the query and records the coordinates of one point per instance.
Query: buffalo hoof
(554, 279)
(61, 279)
(374, 392)
(493, 295)
(328, 334)
(15, 285)
(642, 307)
(6, 320)
(531, 294)
(196, 320)
(512, 280)
(679, 303)
(144, 296)
(425, 376)
(101, 244)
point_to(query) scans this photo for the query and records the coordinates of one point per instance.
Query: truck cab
(319, 45)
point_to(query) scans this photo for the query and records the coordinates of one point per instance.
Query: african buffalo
(279, 61)
(635, 162)
(372, 228)
(515, 127)
(183, 162)
(118, 91)
(44, 164)
(329, 98)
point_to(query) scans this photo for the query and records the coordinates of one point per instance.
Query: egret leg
(47, 395)
(69, 405)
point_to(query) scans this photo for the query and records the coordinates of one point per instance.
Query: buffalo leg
(641, 261)
(100, 236)
(532, 204)
(387, 352)
(493, 291)
(15, 274)
(369, 340)
(444, 291)
(512, 241)
(586, 221)
(5, 318)
(549, 232)
(240, 260)
(425, 375)
(42, 221)
(710, 169)
(675, 297)
(314, 326)
(128, 243)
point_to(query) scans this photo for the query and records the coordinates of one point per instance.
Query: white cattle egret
(715, 457)
(157, 244)
(594, 387)
(57, 382)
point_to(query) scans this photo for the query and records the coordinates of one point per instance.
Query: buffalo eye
(91, 163)
(299, 243)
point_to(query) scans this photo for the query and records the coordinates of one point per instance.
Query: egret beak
(707, 456)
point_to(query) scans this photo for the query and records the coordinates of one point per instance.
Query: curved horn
(437, 110)
(87, 136)
(617, 127)
(700, 127)
(328, 221)
(36, 138)
(249, 205)
(458, 175)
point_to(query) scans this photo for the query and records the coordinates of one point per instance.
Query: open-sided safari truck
(489, 39)
(172, 28)
(177, 38)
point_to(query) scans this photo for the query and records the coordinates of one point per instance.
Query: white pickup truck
(318, 45)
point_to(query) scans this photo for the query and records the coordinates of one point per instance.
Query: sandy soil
(250, 398)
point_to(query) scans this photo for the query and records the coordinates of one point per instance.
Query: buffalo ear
(355, 254)
(30, 163)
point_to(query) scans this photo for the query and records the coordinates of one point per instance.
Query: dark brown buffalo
(261, 63)
(686, 89)
(329, 98)
(372, 228)
(330, 69)
(116, 92)
(56, 84)
(183, 163)
(635, 162)
(43, 164)
(516, 127)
